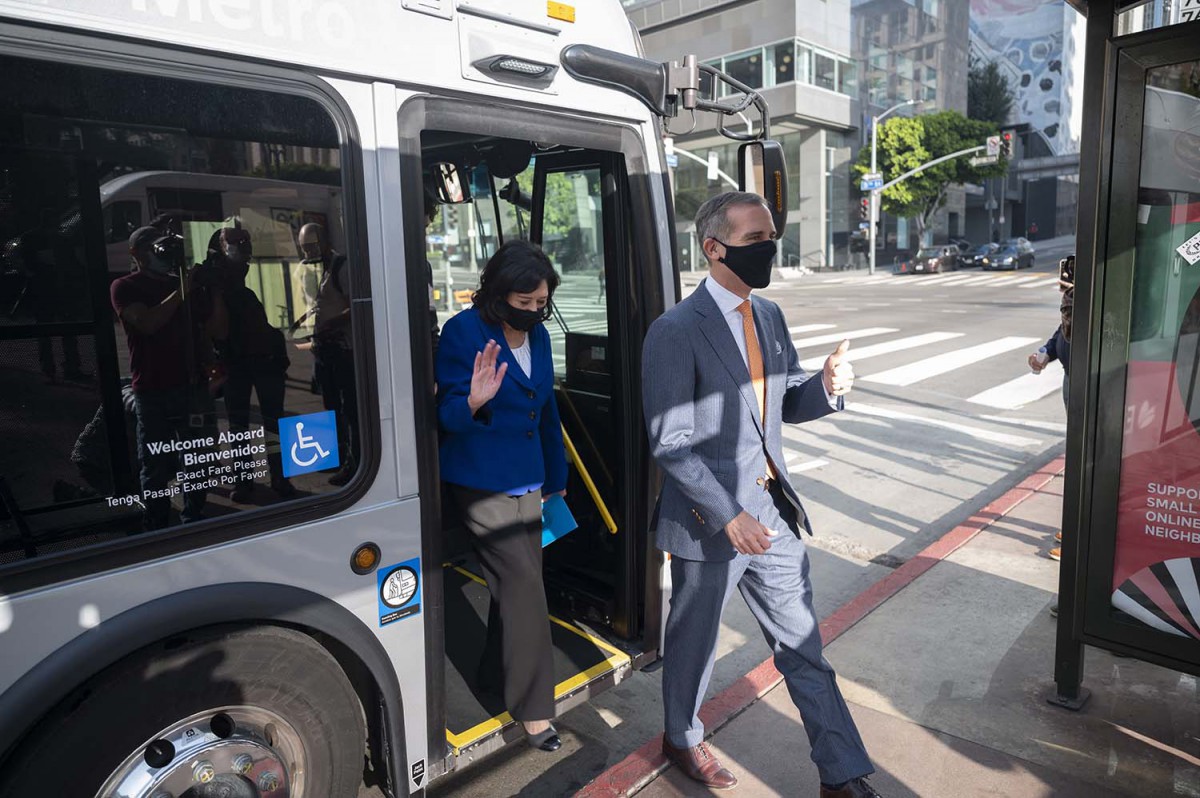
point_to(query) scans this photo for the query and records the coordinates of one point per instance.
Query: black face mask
(751, 263)
(521, 319)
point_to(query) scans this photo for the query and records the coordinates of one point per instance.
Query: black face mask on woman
(751, 263)
(521, 319)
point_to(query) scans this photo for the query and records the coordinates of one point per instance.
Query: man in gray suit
(720, 377)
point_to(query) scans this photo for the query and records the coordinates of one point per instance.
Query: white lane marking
(818, 340)
(1045, 426)
(837, 281)
(1042, 283)
(948, 361)
(885, 348)
(918, 278)
(980, 280)
(975, 432)
(794, 467)
(947, 310)
(803, 328)
(1023, 390)
(938, 280)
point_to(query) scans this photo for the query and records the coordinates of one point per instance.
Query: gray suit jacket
(703, 419)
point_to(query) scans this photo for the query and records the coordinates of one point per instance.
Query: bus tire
(228, 685)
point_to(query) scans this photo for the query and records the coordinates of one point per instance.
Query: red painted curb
(643, 765)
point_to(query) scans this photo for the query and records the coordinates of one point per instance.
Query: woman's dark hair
(518, 266)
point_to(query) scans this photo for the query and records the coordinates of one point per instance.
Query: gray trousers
(507, 533)
(776, 587)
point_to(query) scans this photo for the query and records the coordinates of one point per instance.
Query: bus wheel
(262, 712)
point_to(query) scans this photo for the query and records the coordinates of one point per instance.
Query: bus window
(210, 374)
(573, 237)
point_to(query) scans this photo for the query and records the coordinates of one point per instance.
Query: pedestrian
(332, 345)
(720, 378)
(502, 455)
(254, 355)
(1058, 347)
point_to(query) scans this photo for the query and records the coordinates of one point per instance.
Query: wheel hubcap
(227, 752)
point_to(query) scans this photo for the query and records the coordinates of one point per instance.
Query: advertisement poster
(1156, 571)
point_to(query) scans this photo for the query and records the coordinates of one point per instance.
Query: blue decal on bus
(308, 443)
(399, 591)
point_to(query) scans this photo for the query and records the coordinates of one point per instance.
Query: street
(944, 417)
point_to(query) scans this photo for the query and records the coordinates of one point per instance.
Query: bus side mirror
(452, 183)
(761, 171)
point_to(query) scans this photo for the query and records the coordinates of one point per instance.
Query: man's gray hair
(712, 220)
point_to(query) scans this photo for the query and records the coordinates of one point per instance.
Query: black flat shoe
(544, 741)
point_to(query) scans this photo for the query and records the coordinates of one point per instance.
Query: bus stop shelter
(1130, 577)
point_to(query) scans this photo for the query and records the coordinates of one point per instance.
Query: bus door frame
(625, 142)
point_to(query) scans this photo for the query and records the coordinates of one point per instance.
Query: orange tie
(754, 357)
(757, 377)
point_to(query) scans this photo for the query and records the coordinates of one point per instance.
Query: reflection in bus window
(150, 388)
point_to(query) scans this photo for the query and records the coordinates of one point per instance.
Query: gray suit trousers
(777, 589)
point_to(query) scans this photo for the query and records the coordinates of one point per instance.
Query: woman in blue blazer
(501, 454)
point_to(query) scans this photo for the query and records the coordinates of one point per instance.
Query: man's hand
(747, 535)
(839, 374)
(1035, 363)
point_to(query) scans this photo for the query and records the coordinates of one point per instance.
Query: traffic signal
(1006, 142)
(864, 208)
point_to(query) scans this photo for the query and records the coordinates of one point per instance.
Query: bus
(196, 598)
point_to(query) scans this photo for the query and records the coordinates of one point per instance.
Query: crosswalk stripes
(803, 328)
(946, 362)
(1022, 390)
(1035, 280)
(837, 338)
(979, 433)
(885, 348)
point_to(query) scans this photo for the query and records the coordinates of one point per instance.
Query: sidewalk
(947, 671)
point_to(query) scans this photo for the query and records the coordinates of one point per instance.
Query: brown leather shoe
(856, 788)
(698, 763)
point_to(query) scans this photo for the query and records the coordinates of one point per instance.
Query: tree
(906, 143)
(989, 97)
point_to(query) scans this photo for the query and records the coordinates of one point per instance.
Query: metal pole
(873, 207)
(876, 196)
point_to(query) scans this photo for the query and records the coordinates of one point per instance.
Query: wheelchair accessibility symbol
(309, 443)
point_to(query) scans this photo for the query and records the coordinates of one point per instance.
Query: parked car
(935, 260)
(977, 255)
(1014, 253)
(964, 246)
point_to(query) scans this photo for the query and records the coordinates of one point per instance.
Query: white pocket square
(778, 348)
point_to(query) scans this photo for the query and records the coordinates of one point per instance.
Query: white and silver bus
(323, 621)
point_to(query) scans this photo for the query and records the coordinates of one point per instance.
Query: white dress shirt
(524, 357)
(728, 303)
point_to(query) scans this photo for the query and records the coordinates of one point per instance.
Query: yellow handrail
(591, 486)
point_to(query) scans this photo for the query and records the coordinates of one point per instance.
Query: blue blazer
(514, 443)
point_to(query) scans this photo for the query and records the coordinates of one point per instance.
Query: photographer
(170, 314)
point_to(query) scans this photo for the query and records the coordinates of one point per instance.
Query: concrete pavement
(947, 679)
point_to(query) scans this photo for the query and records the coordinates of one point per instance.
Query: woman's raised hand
(486, 379)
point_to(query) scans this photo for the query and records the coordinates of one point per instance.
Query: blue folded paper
(556, 519)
